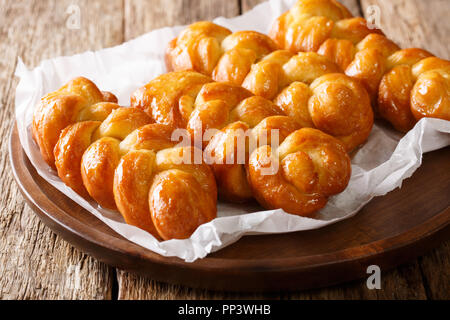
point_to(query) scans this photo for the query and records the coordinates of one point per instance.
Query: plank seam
(360, 9)
(425, 283)
(123, 21)
(114, 285)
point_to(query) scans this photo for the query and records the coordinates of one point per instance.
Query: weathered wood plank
(246, 5)
(435, 268)
(401, 283)
(143, 16)
(352, 5)
(37, 264)
(415, 23)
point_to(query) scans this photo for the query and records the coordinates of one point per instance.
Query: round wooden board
(387, 232)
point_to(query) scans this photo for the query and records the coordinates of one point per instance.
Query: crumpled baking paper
(377, 168)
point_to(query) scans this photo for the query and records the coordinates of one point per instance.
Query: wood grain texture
(435, 271)
(401, 283)
(35, 263)
(143, 16)
(415, 23)
(352, 5)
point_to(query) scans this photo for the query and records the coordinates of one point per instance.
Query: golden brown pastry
(122, 160)
(309, 23)
(169, 98)
(300, 175)
(100, 159)
(213, 106)
(201, 46)
(166, 191)
(411, 91)
(219, 114)
(78, 100)
(229, 149)
(198, 103)
(332, 103)
(243, 118)
(404, 85)
(250, 60)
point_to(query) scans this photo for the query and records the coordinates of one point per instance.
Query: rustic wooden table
(37, 264)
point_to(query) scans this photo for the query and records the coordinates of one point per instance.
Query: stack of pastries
(316, 80)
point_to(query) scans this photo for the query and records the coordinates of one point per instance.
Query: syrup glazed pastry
(203, 44)
(300, 85)
(304, 85)
(229, 149)
(240, 116)
(404, 85)
(79, 100)
(234, 111)
(123, 161)
(299, 176)
(167, 187)
(198, 105)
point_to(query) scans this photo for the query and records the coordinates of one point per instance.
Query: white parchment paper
(377, 168)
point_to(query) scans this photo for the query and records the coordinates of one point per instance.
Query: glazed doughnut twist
(234, 113)
(200, 47)
(309, 23)
(127, 162)
(198, 106)
(229, 149)
(307, 168)
(305, 84)
(404, 85)
(315, 98)
(79, 100)
(192, 101)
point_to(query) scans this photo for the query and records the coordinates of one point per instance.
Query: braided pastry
(210, 106)
(187, 99)
(404, 85)
(309, 23)
(202, 45)
(249, 59)
(178, 194)
(242, 121)
(229, 149)
(78, 100)
(125, 162)
(192, 101)
(299, 176)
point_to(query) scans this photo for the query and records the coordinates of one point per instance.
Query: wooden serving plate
(387, 232)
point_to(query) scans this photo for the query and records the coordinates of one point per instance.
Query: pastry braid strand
(241, 122)
(123, 161)
(211, 106)
(249, 59)
(229, 149)
(308, 167)
(404, 85)
(79, 100)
